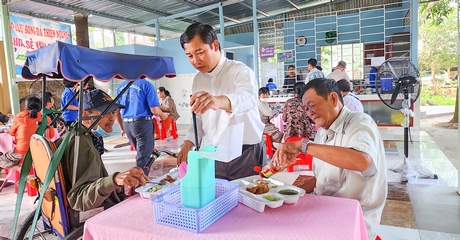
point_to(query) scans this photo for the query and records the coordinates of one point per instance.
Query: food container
(273, 198)
(158, 188)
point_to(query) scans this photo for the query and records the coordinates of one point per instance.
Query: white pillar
(9, 59)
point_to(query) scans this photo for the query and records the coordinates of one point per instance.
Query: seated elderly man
(348, 153)
(350, 100)
(94, 187)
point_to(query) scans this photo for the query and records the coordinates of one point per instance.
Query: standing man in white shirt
(350, 100)
(339, 72)
(348, 153)
(224, 93)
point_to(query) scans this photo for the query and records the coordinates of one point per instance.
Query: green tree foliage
(436, 12)
(438, 38)
(439, 34)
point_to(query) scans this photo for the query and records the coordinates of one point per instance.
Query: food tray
(258, 201)
(143, 190)
(169, 211)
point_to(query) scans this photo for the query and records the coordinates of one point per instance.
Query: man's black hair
(204, 31)
(68, 84)
(270, 80)
(263, 90)
(291, 66)
(312, 62)
(344, 85)
(323, 87)
(48, 96)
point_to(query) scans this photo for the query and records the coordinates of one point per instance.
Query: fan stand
(405, 169)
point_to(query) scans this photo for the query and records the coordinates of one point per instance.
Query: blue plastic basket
(169, 211)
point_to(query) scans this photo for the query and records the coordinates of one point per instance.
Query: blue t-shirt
(69, 115)
(271, 86)
(140, 97)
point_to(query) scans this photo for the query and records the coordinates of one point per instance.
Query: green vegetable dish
(271, 198)
(288, 192)
(154, 189)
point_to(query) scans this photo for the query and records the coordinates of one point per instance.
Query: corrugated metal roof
(129, 15)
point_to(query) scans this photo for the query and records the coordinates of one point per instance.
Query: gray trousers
(243, 166)
(140, 135)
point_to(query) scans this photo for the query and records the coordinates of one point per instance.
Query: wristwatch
(305, 146)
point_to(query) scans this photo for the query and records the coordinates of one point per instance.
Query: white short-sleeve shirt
(236, 81)
(358, 131)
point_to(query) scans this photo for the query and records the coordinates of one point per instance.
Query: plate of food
(256, 193)
(157, 186)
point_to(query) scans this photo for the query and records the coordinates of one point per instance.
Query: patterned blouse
(296, 119)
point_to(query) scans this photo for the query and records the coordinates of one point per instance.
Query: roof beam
(250, 7)
(84, 10)
(193, 5)
(280, 12)
(146, 9)
(293, 4)
(93, 12)
(70, 21)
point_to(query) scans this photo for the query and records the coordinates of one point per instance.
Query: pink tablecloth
(312, 217)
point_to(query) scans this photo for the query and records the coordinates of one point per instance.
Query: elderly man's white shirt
(338, 74)
(236, 81)
(358, 131)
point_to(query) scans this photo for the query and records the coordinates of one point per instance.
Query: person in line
(135, 120)
(25, 124)
(168, 106)
(271, 85)
(69, 115)
(339, 72)
(298, 124)
(350, 100)
(314, 72)
(224, 92)
(291, 79)
(59, 124)
(266, 114)
(348, 152)
(94, 187)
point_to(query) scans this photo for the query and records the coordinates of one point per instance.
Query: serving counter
(381, 113)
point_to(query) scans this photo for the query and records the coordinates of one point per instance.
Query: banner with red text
(31, 33)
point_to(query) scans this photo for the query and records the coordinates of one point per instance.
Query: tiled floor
(434, 202)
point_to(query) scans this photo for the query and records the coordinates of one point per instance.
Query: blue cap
(99, 100)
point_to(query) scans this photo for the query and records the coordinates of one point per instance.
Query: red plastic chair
(173, 131)
(15, 175)
(301, 158)
(268, 145)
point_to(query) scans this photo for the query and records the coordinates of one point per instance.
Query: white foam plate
(258, 201)
(143, 190)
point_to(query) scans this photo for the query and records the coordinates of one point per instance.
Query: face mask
(100, 132)
(264, 99)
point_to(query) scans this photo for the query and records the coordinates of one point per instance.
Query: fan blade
(391, 69)
(395, 92)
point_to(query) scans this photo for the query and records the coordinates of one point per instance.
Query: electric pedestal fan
(398, 86)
